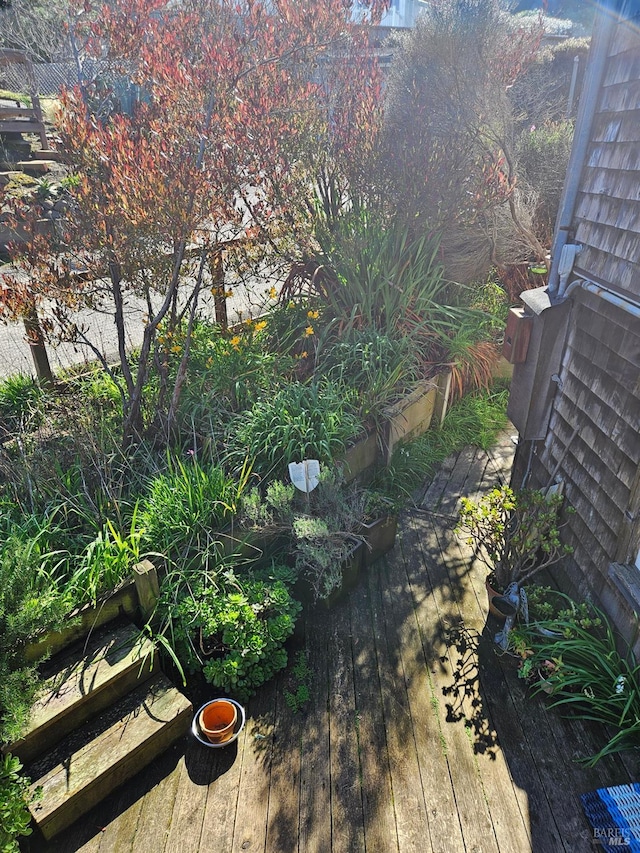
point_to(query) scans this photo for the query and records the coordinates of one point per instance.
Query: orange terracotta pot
(491, 594)
(218, 719)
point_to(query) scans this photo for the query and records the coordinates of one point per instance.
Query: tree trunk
(35, 338)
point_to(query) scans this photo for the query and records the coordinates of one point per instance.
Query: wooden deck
(418, 737)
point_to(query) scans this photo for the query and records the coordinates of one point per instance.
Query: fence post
(147, 587)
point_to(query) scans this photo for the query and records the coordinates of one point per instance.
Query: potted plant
(327, 543)
(580, 665)
(378, 526)
(516, 535)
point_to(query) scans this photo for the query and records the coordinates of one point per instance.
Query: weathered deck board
(155, 819)
(408, 797)
(377, 795)
(222, 797)
(438, 614)
(422, 690)
(418, 738)
(347, 819)
(284, 792)
(315, 774)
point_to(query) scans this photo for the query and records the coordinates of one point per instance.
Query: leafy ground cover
(77, 511)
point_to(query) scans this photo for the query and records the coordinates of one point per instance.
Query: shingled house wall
(592, 442)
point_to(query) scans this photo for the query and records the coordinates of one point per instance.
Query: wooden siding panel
(592, 443)
(619, 213)
(611, 496)
(619, 274)
(620, 98)
(621, 156)
(625, 438)
(623, 66)
(624, 39)
(629, 130)
(612, 183)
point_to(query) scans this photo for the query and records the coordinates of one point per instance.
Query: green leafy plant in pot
(327, 544)
(516, 535)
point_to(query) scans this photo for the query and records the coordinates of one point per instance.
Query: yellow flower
(304, 354)
(291, 304)
(209, 362)
(248, 322)
(313, 315)
(228, 294)
(235, 340)
(260, 326)
(309, 331)
(175, 348)
(272, 293)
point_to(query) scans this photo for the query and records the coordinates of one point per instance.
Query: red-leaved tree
(238, 123)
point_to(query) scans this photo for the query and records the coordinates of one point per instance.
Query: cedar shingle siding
(599, 464)
(607, 215)
(592, 442)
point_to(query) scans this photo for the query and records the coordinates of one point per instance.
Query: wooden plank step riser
(18, 112)
(115, 664)
(22, 127)
(49, 154)
(156, 717)
(36, 167)
(84, 621)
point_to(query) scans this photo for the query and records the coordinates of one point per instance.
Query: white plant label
(305, 475)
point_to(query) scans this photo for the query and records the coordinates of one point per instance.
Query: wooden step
(92, 762)
(18, 112)
(49, 154)
(36, 167)
(80, 683)
(22, 126)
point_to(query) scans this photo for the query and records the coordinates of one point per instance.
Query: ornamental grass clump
(516, 534)
(299, 421)
(587, 676)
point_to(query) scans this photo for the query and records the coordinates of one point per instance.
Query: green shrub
(234, 628)
(228, 371)
(185, 505)
(377, 366)
(516, 534)
(381, 278)
(31, 602)
(20, 401)
(105, 562)
(325, 533)
(543, 155)
(14, 799)
(299, 421)
(585, 674)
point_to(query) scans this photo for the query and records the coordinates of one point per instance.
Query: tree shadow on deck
(519, 756)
